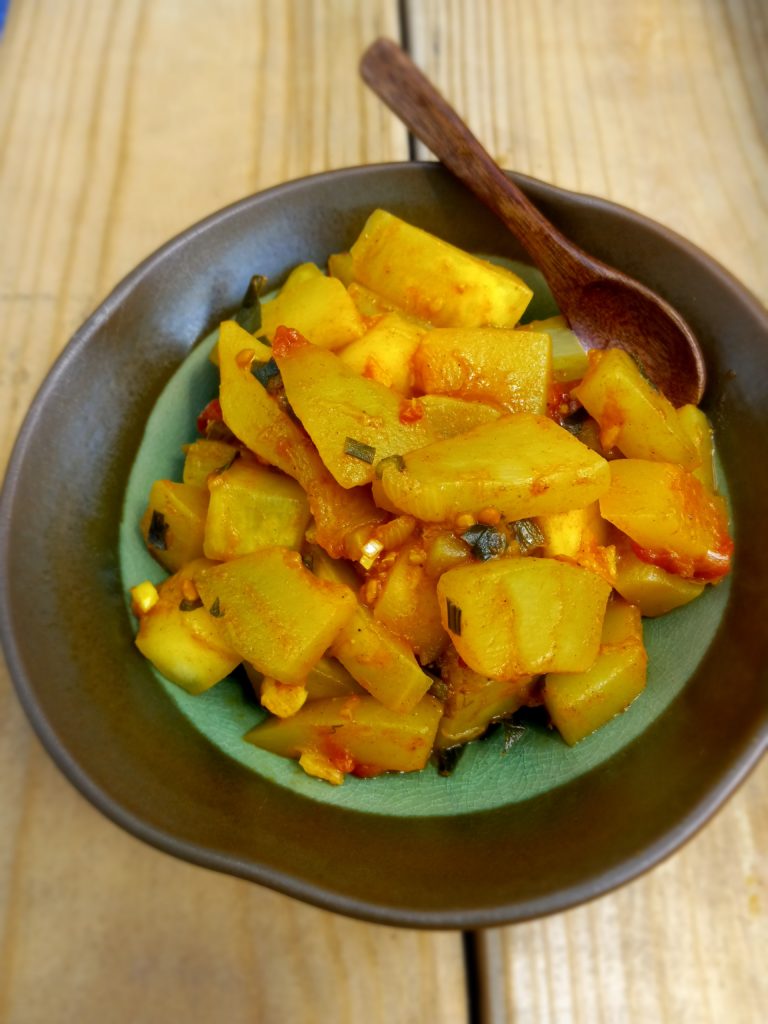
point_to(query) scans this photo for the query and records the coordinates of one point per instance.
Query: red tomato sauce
(711, 566)
(211, 414)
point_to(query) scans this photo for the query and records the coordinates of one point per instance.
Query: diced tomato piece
(211, 414)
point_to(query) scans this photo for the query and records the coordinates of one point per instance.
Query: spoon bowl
(622, 312)
(604, 307)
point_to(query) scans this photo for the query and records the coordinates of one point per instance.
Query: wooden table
(121, 122)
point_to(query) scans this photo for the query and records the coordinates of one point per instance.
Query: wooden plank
(663, 107)
(120, 124)
(658, 106)
(686, 943)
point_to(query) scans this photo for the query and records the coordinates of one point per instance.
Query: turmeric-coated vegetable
(409, 515)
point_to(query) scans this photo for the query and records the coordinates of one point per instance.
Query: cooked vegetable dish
(407, 516)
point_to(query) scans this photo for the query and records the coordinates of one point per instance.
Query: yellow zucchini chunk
(433, 280)
(340, 267)
(329, 678)
(384, 352)
(173, 525)
(252, 414)
(474, 701)
(581, 702)
(315, 305)
(381, 662)
(580, 536)
(447, 417)
(354, 734)
(353, 421)
(672, 520)
(622, 623)
(369, 305)
(654, 590)
(511, 368)
(258, 421)
(696, 427)
(444, 551)
(245, 341)
(569, 359)
(276, 614)
(253, 507)
(184, 643)
(633, 416)
(204, 457)
(407, 604)
(337, 570)
(511, 617)
(521, 464)
(566, 534)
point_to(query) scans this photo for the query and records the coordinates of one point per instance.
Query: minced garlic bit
(489, 516)
(417, 556)
(282, 699)
(143, 598)
(316, 764)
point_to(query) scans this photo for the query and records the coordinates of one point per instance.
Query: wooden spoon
(604, 307)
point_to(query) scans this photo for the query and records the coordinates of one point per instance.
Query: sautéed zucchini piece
(409, 514)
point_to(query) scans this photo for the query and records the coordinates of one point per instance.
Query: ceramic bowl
(515, 832)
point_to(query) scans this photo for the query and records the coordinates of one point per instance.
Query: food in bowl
(408, 516)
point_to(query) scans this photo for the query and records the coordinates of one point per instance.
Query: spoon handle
(394, 77)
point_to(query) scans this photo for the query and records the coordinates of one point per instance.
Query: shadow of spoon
(604, 307)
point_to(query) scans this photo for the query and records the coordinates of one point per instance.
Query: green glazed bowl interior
(516, 831)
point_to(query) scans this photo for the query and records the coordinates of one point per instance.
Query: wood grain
(123, 122)
(687, 943)
(120, 124)
(662, 107)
